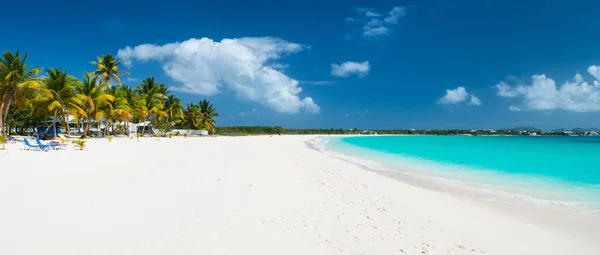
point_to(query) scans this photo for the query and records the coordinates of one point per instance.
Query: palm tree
(16, 81)
(173, 109)
(209, 113)
(191, 116)
(61, 96)
(115, 110)
(152, 94)
(134, 102)
(94, 96)
(108, 68)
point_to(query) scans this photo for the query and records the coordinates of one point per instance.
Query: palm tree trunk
(66, 120)
(52, 124)
(4, 114)
(1, 116)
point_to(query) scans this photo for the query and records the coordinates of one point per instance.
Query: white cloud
(458, 95)
(377, 24)
(351, 20)
(514, 108)
(207, 67)
(131, 79)
(576, 95)
(349, 68)
(505, 90)
(475, 100)
(367, 12)
(594, 71)
(395, 14)
(375, 28)
(243, 114)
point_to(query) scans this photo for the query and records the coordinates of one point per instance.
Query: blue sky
(366, 64)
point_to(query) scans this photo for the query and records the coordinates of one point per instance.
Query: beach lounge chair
(29, 146)
(53, 146)
(63, 137)
(11, 140)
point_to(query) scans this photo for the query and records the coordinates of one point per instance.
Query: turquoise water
(558, 169)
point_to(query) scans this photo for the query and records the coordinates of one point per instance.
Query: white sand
(240, 195)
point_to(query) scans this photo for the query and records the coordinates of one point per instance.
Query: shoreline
(242, 195)
(581, 224)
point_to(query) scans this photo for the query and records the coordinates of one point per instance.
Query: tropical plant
(3, 141)
(165, 125)
(17, 81)
(191, 116)
(115, 110)
(135, 104)
(109, 137)
(59, 89)
(94, 96)
(107, 68)
(20, 118)
(153, 95)
(80, 144)
(173, 109)
(209, 112)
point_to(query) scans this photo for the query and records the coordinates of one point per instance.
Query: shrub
(3, 141)
(80, 144)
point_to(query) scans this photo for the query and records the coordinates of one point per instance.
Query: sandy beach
(242, 195)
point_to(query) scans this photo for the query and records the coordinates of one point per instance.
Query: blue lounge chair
(11, 140)
(28, 146)
(50, 145)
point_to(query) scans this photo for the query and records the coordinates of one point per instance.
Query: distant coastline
(519, 131)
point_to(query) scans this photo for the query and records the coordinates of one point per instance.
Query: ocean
(555, 170)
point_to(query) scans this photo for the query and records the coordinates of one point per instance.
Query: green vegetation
(28, 100)
(80, 144)
(3, 141)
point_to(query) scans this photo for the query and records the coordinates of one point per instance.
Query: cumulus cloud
(475, 100)
(458, 95)
(349, 68)
(376, 24)
(243, 66)
(542, 93)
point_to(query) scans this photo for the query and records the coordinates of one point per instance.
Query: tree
(191, 116)
(208, 120)
(93, 97)
(115, 110)
(59, 88)
(153, 95)
(20, 117)
(108, 68)
(173, 109)
(16, 82)
(134, 102)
